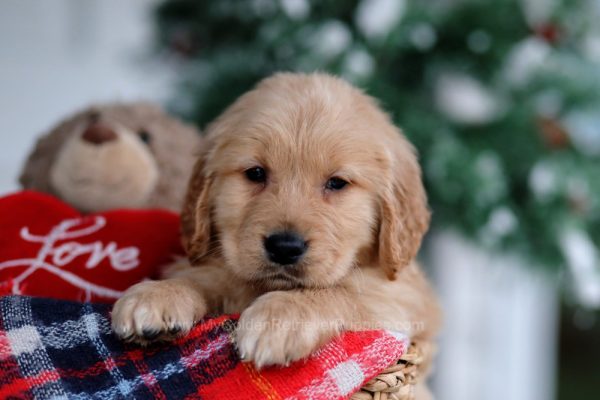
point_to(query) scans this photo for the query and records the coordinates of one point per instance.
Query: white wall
(57, 56)
(501, 324)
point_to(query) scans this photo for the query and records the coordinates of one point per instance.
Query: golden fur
(359, 271)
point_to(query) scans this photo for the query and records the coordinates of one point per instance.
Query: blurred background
(501, 98)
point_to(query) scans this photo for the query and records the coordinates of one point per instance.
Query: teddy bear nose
(98, 134)
(285, 248)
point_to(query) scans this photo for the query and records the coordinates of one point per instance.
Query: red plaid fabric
(51, 349)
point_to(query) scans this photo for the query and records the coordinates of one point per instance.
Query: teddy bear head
(115, 156)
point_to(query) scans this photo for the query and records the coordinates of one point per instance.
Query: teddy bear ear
(35, 174)
(195, 216)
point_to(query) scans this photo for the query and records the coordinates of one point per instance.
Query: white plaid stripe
(25, 339)
(329, 356)
(345, 380)
(371, 356)
(347, 376)
(125, 387)
(32, 357)
(93, 333)
(72, 333)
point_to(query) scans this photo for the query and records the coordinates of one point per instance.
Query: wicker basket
(398, 382)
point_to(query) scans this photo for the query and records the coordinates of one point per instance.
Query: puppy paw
(278, 329)
(156, 311)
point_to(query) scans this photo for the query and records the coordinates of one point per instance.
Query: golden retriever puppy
(304, 214)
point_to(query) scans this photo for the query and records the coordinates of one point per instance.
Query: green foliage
(512, 175)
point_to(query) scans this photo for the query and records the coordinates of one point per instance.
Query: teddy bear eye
(145, 136)
(94, 116)
(335, 183)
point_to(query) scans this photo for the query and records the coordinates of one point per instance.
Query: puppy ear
(404, 212)
(195, 216)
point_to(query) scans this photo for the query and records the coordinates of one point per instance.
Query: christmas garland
(502, 99)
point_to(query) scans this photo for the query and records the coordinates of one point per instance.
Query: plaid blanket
(52, 349)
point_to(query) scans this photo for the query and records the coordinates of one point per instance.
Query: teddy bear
(120, 155)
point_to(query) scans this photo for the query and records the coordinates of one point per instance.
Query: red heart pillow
(49, 249)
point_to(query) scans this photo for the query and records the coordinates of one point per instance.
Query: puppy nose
(285, 248)
(98, 133)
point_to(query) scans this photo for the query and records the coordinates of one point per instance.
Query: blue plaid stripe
(24, 336)
(74, 340)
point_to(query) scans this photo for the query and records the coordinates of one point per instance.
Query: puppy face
(308, 186)
(304, 179)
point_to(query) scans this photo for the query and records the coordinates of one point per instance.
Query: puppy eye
(256, 174)
(145, 136)
(335, 183)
